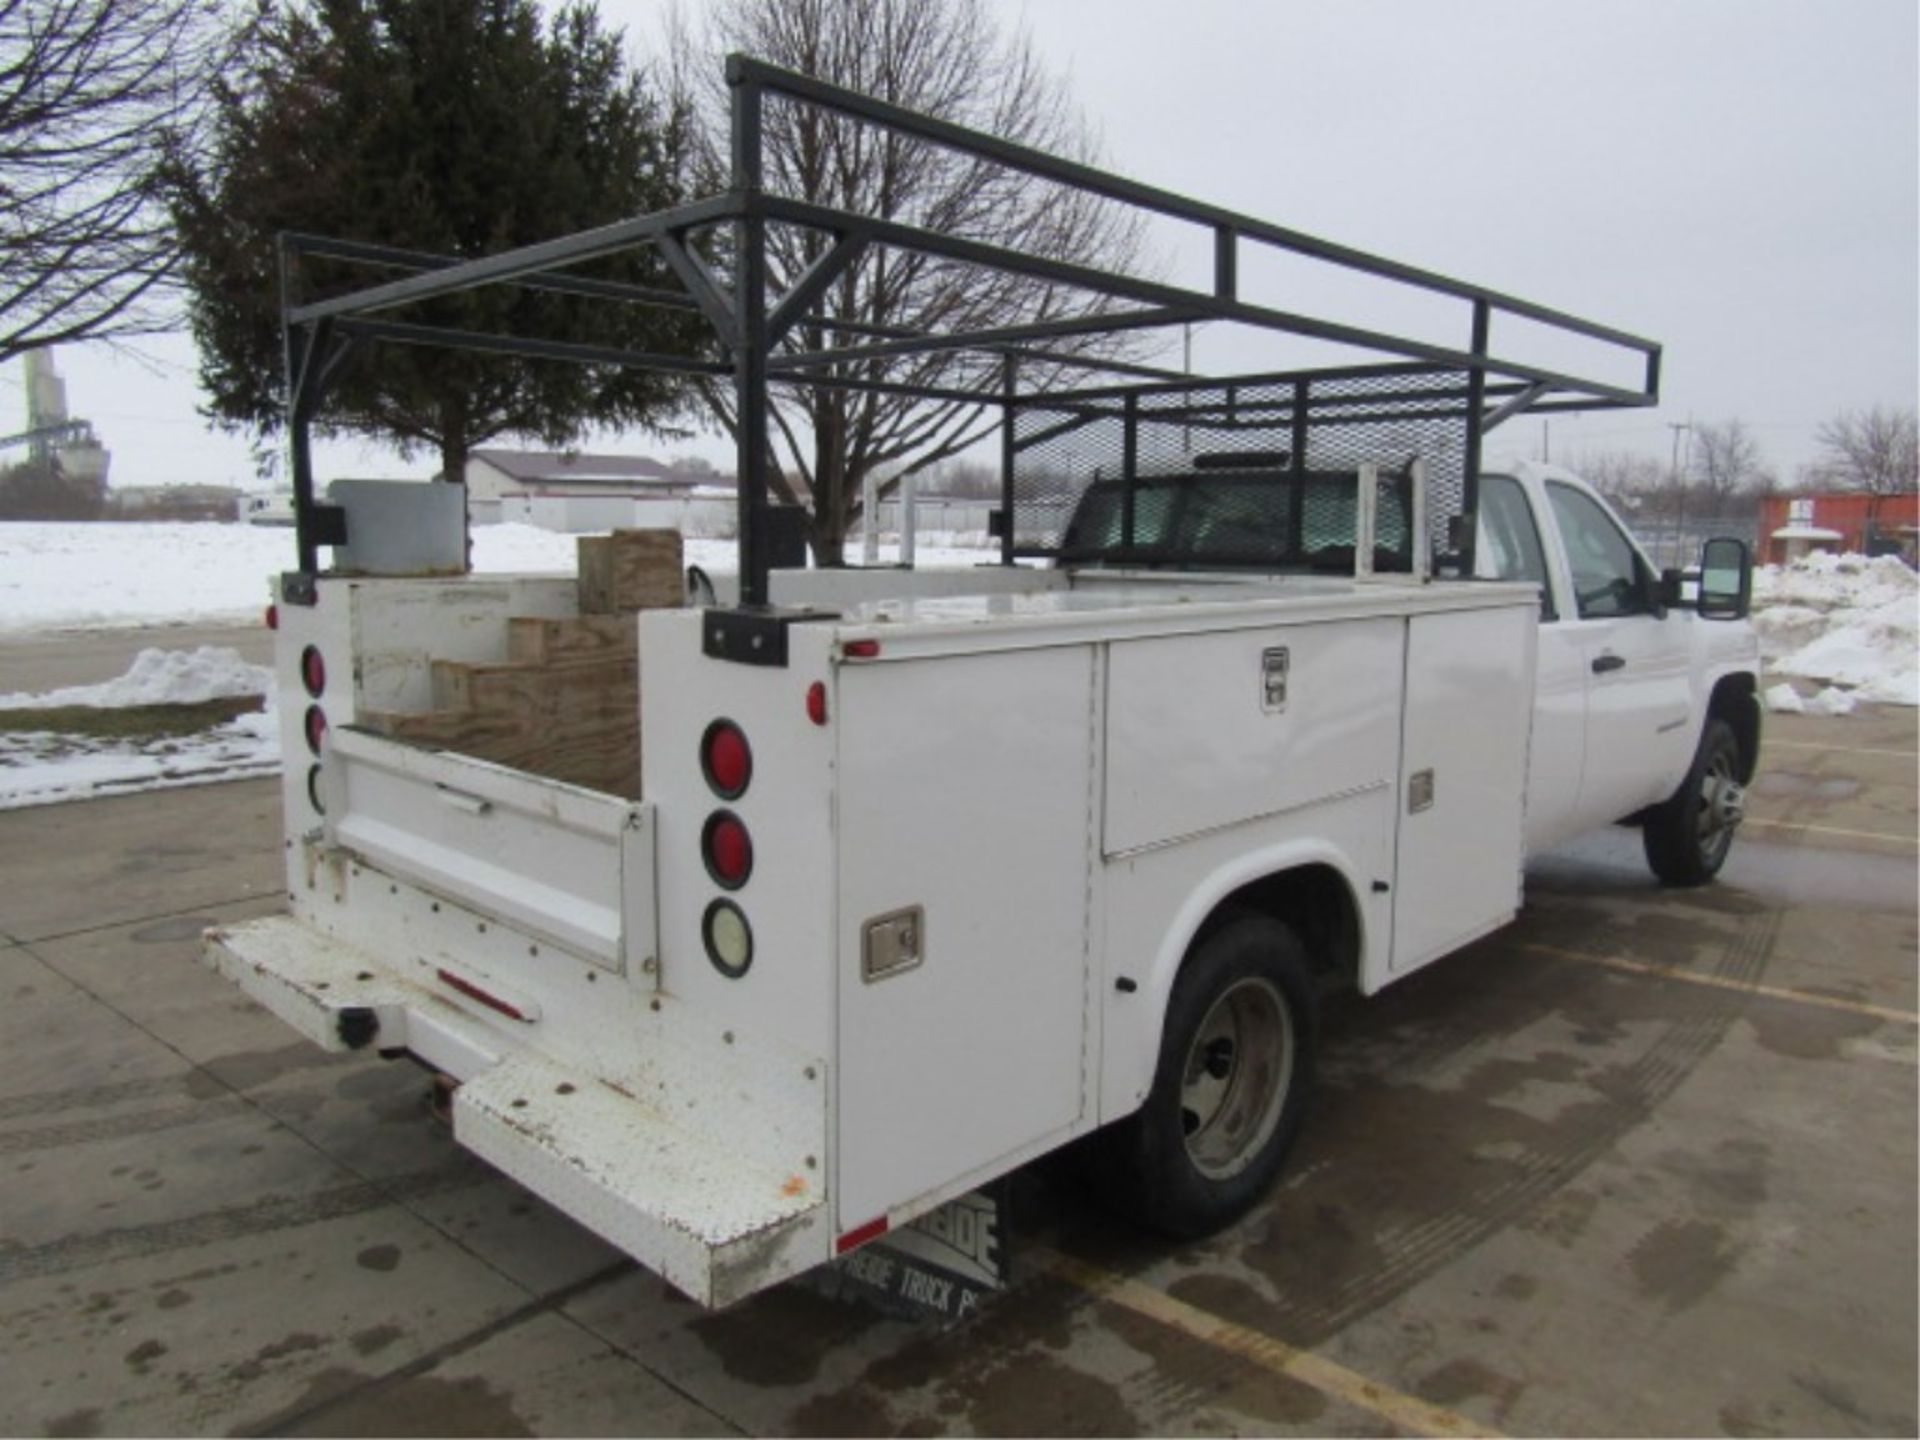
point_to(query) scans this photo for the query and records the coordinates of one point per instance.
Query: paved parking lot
(1642, 1163)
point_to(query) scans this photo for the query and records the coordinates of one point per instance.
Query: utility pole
(1679, 487)
(1677, 426)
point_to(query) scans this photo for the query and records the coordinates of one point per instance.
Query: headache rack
(1424, 405)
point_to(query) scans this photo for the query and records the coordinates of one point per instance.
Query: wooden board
(535, 641)
(575, 717)
(596, 746)
(631, 570)
(566, 703)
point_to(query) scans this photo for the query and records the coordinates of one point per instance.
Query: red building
(1859, 523)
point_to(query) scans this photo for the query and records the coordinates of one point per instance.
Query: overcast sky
(1736, 179)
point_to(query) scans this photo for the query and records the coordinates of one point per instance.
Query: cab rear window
(1266, 520)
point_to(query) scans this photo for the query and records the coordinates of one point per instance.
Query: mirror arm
(1669, 589)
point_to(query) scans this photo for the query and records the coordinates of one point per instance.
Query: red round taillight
(273, 617)
(727, 849)
(316, 728)
(817, 703)
(313, 671)
(725, 759)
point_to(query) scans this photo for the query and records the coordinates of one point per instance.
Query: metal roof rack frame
(749, 324)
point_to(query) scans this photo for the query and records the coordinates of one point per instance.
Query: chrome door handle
(1603, 663)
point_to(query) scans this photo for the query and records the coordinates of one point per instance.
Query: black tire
(1688, 836)
(1247, 986)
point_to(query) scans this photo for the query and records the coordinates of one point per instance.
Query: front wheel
(1687, 838)
(1235, 1067)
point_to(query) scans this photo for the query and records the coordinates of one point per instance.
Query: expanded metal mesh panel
(1239, 474)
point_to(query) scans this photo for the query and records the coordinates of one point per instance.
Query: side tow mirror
(1726, 579)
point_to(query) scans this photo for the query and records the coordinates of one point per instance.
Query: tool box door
(963, 966)
(1463, 778)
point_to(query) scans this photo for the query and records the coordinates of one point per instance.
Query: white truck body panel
(965, 791)
(1469, 705)
(1192, 746)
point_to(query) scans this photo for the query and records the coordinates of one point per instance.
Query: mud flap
(941, 1267)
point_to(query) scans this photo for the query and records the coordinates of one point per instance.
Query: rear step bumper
(718, 1228)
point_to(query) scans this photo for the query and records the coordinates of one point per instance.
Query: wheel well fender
(1311, 885)
(1736, 699)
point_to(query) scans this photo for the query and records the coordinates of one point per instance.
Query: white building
(569, 491)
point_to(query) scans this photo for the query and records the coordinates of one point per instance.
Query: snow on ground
(114, 576)
(40, 767)
(1850, 623)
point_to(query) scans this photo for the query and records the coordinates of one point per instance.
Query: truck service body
(930, 873)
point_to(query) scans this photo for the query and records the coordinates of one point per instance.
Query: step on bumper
(717, 1228)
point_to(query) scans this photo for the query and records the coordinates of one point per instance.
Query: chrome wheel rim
(1238, 1071)
(1723, 803)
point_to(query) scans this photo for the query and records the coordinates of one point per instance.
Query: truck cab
(1630, 677)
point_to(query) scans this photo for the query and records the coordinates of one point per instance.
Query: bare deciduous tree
(962, 479)
(1876, 450)
(1727, 464)
(92, 92)
(1625, 477)
(945, 58)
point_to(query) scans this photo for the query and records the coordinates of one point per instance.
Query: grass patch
(130, 722)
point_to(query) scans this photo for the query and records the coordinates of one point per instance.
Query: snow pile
(1843, 620)
(1832, 701)
(160, 677)
(40, 768)
(1783, 699)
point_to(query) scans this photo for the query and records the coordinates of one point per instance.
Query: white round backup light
(729, 939)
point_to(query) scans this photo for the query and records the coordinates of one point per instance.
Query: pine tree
(454, 127)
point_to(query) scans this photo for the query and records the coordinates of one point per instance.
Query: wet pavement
(1644, 1162)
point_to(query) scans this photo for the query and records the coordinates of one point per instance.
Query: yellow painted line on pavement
(1836, 749)
(1833, 830)
(1336, 1381)
(1721, 982)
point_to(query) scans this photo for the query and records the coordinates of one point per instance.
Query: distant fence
(932, 513)
(1676, 543)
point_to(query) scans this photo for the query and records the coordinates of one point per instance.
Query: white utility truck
(909, 877)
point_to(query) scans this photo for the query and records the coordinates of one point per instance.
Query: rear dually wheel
(1230, 1087)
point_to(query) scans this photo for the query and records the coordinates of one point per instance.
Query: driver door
(1634, 662)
